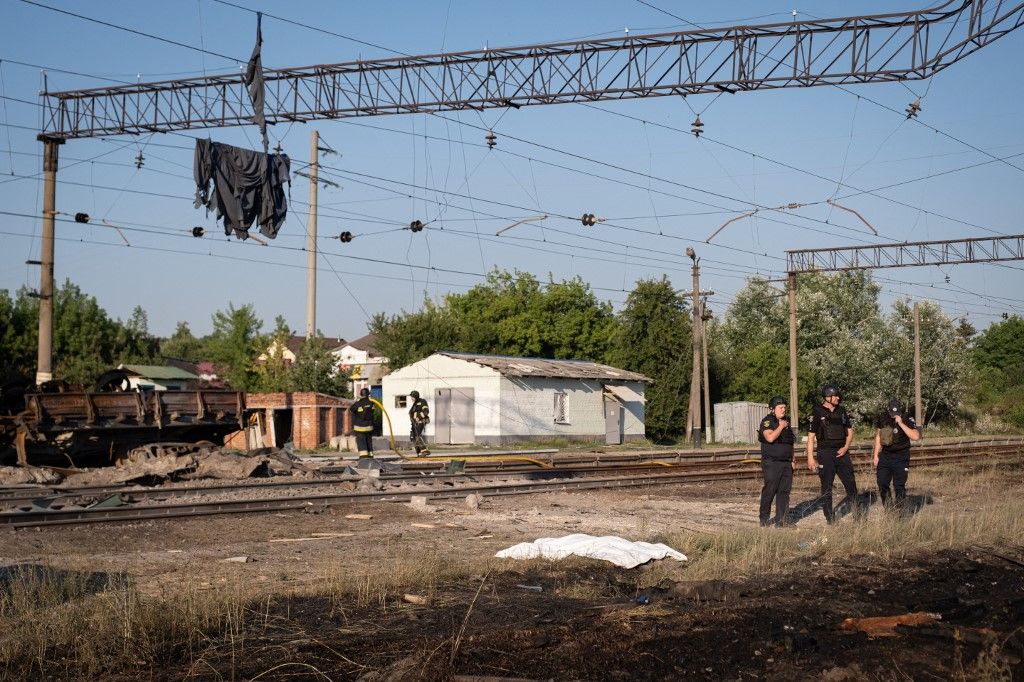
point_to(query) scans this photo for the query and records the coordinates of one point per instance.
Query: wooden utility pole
(917, 366)
(693, 417)
(44, 357)
(311, 239)
(794, 408)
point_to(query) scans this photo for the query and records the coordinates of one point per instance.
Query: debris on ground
(153, 465)
(28, 475)
(885, 626)
(618, 551)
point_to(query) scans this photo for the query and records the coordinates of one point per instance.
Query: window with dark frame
(561, 414)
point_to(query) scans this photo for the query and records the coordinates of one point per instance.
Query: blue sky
(391, 170)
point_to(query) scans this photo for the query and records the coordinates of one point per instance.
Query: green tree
(654, 337)
(840, 336)
(1001, 347)
(408, 337)
(182, 345)
(509, 314)
(274, 372)
(19, 327)
(133, 339)
(945, 360)
(998, 356)
(236, 343)
(316, 369)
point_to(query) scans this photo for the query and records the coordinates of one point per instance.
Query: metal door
(454, 420)
(442, 416)
(612, 422)
(463, 424)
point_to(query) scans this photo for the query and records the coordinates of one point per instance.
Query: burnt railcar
(80, 426)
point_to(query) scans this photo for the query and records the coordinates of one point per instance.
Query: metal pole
(794, 408)
(44, 361)
(311, 239)
(917, 366)
(693, 421)
(709, 437)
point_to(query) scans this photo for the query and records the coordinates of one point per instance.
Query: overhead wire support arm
(945, 252)
(862, 49)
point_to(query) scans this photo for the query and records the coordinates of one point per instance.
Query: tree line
(844, 337)
(88, 342)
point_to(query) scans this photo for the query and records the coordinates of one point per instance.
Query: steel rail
(12, 496)
(147, 512)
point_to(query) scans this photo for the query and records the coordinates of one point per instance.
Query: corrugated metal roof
(159, 372)
(512, 366)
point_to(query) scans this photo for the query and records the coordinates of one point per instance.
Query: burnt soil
(589, 621)
(771, 628)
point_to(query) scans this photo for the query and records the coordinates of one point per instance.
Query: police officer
(419, 417)
(362, 423)
(831, 430)
(893, 433)
(777, 463)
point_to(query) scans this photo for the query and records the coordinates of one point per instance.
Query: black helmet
(829, 390)
(894, 407)
(414, 394)
(776, 401)
(364, 393)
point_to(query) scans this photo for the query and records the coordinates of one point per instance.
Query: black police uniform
(777, 468)
(419, 417)
(362, 425)
(829, 429)
(894, 457)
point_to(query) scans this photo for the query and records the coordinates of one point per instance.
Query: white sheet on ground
(620, 552)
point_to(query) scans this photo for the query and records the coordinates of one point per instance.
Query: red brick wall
(314, 416)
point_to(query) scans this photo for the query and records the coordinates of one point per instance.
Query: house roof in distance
(159, 372)
(294, 343)
(366, 343)
(512, 366)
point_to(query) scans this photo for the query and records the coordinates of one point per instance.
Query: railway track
(136, 504)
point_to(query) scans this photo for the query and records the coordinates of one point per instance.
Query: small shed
(737, 422)
(496, 399)
(159, 377)
(305, 419)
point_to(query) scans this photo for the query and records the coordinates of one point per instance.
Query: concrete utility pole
(794, 407)
(917, 366)
(693, 418)
(44, 358)
(311, 238)
(707, 378)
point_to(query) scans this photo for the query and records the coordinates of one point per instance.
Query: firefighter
(831, 430)
(893, 433)
(419, 417)
(362, 423)
(777, 462)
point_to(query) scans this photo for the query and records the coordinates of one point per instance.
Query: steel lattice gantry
(947, 252)
(863, 49)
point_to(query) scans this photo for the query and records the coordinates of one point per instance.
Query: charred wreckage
(59, 422)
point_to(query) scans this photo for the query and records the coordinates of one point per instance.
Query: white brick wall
(439, 371)
(508, 407)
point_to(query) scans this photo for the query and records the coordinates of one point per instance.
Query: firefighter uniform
(362, 423)
(419, 417)
(830, 427)
(893, 452)
(777, 469)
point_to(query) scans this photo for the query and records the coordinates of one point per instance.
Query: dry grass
(59, 623)
(381, 578)
(979, 507)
